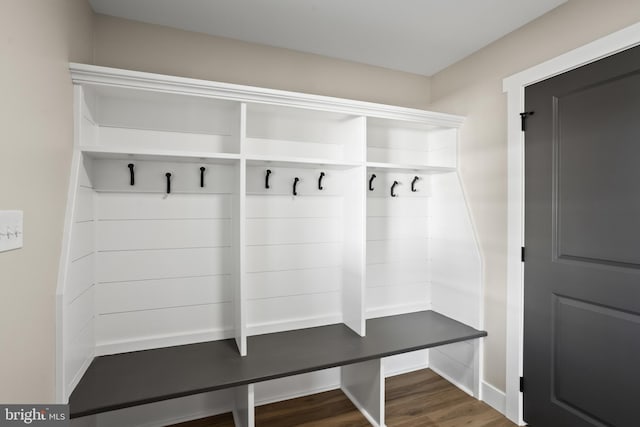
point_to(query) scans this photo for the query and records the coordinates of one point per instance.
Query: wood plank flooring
(416, 399)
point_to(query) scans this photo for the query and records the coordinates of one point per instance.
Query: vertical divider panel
(354, 267)
(244, 411)
(363, 383)
(238, 220)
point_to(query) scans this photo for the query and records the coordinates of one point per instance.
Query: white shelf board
(395, 167)
(281, 141)
(299, 162)
(165, 155)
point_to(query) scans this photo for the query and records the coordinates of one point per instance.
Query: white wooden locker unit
(223, 256)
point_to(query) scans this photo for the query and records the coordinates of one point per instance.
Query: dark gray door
(582, 237)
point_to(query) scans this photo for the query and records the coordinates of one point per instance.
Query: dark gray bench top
(130, 379)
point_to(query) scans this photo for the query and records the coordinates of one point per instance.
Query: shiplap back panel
(78, 319)
(397, 244)
(164, 268)
(293, 249)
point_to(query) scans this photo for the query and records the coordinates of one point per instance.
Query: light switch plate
(11, 230)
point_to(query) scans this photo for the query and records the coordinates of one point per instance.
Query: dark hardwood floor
(416, 399)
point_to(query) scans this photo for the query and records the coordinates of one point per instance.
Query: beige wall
(37, 39)
(137, 46)
(473, 87)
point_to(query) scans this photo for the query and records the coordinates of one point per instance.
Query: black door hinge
(523, 119)
(522, 254)
(521, 384)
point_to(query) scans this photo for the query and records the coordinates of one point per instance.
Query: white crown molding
(84, 74)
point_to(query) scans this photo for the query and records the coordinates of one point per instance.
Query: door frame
(514, 86)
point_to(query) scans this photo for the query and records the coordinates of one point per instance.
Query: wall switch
(11, 233)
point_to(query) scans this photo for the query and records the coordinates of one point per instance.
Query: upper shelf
(125, 153)
(410, 145)
(147, 114)
(139, 119)
(396, 167)
(299, 162)
(301, 133)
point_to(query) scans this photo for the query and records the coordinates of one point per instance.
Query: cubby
(122, 119)
(304, 254)
(397, 243)
(410, 144)
(299, 133)
(201, 212)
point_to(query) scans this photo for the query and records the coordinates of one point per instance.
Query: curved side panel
(74, 293)
(456, 279)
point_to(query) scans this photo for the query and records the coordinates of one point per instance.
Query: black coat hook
(168, 175)
(266, 178)
(320, 181)
(413, 183)
(295, 183)
(202, 169)
(371, 181)
(393, 187)
(132, 180)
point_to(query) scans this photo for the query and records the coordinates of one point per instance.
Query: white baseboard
(396, 309)
(493, 397)
(452, 380)
(363, 411)
(452, 370)
(292, 324)
(296, 386)
(76, 379)
(168, 412)
(108, 348)
(405, 362)
(236, 418)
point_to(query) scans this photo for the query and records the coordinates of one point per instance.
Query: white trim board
(105, 76)
(493, 397)
(514, 87)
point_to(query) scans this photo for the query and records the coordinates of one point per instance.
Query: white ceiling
(417, 36)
